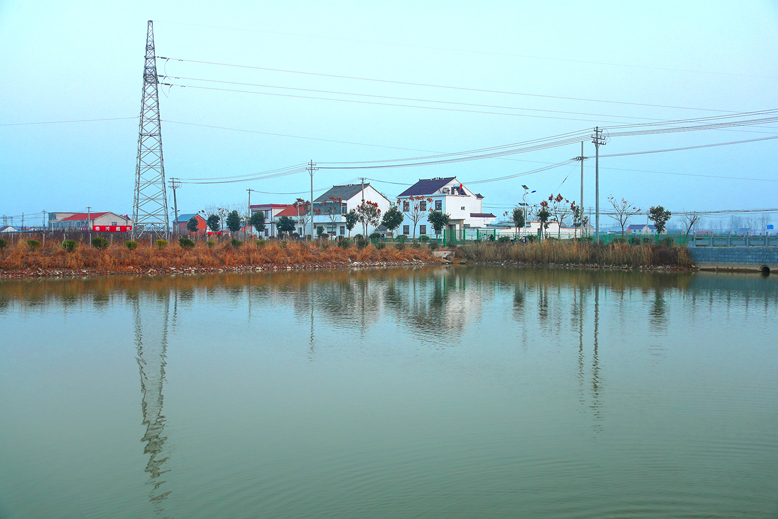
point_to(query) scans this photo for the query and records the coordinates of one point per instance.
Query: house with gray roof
(446, 194)
(330, 209)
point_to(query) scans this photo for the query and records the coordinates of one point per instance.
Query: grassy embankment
(118, 258)
(577, 253)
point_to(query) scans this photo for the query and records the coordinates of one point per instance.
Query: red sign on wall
(112, 228)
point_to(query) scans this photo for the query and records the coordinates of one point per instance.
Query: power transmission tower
(175, 184)
(149, 210)
(598, 139)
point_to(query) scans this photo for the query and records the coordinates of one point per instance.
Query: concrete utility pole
(175, 184)
(582, 159)
(311, 168)
(598, 139)
(88, 222)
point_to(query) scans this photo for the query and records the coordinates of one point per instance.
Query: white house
(272, 212)
(330, 209)
(447, 195)
(641, 229)
(84, 221)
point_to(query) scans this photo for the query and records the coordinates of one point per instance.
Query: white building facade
(330, 209)
(447, 195)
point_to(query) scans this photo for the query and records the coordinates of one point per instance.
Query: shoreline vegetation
(31, 259)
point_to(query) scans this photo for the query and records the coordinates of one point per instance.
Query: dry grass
(117, 258)
(578, 253)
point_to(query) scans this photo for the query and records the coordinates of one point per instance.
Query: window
(342, 230)
(343, 210)
(267, 215)
(463, 208)
(406, 207)
(438, 205)
(423, 205)
(422, 229)
(406, 229)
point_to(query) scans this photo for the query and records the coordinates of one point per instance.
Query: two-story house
(330, 209)
(447, 195)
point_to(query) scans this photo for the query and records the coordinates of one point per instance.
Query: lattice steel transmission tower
(149, 210)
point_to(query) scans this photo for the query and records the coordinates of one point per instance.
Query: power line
(376, 103)
(448, 87)
(471, 51)
(335, 92)
(689, 147)
(71, 121)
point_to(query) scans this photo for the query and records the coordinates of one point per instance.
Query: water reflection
(151, 315)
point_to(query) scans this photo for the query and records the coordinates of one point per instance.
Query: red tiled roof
(83, 216)
(292, 211)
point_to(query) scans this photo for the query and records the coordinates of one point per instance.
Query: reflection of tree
(151, 346)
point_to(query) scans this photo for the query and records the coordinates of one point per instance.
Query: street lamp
(526, 192)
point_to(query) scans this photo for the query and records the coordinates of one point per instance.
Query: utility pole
(311, 168)
(22, 222)
(598, 139)
(175, 184)
(582, 159)
(88, 222)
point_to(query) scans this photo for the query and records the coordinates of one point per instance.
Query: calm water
(459, 392)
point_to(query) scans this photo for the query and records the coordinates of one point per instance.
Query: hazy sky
(564, 67)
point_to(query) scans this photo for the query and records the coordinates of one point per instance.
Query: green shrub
(667, 242)
(161, 244)
(69, 245)
(33, 244)
(100, 243)
(619, 241)
(424, 238)
(375, 236)
(236, 243)
(186, 243)
(380, 245)
(131, 245)
(400, 246)
(503, 239)
(210, 244)
(361, 244)
(357, 237)
(344, 244)
(260, 243)
(3, 244)
(416, 245)
(434, 245)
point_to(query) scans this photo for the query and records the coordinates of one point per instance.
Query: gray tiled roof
(426, 186)
(342, 192)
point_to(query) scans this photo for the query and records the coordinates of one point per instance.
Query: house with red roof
(272, 212)
(64, 221)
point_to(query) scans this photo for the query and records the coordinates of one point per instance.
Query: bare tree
(690, 219)
(560, 208)
(623, 211)
(304, 214)
(415, 208)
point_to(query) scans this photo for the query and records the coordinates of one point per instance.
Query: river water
(432, 392)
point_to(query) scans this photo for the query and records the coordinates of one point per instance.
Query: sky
(520, 71)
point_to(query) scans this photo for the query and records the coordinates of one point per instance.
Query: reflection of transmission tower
(151, 345)
(149, 210)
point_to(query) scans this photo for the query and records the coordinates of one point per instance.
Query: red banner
(112, 228)
(209, 233)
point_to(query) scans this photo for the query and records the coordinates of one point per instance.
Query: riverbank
(23, 260)
(576, 254)
(54, 261)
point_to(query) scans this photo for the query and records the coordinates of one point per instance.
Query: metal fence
(732, 240)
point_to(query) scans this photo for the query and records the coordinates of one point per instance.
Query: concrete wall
(747, 258)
